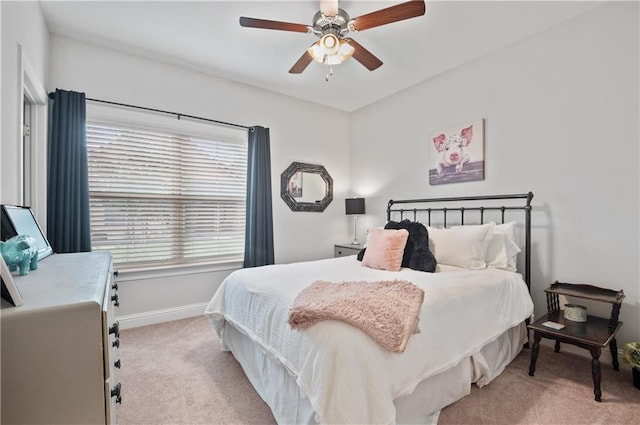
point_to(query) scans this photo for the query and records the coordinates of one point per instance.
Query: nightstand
(594, 334)
(343, 250)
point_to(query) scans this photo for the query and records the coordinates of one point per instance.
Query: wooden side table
(593, 335)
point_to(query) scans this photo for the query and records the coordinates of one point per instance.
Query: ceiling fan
(331, 25)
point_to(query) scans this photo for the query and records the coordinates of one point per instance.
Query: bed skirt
(278, 387)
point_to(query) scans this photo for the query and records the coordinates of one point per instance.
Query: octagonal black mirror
(306, 187)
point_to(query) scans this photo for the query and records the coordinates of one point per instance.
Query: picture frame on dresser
(20, 220)
(10, 291)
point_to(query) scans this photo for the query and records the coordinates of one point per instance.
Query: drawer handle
(115, 329)
(115, 392)
(116, 343)
(114, 286)
(115, 273)
(115, 300)
(117, 363)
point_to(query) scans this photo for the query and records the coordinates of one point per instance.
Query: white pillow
(461, 246)
(503, 250)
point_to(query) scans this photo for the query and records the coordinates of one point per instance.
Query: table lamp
(354, 206)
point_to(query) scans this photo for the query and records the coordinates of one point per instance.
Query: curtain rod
(179, 115)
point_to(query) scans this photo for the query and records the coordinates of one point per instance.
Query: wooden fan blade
(398, 12)
(301, 64)
(272, 25)
(364, 56)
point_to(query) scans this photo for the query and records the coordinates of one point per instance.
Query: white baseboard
(160, 316)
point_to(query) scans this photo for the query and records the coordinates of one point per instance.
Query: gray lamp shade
(354, 206)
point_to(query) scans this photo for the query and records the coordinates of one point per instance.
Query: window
(162, 197)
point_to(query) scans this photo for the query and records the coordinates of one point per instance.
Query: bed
(471, 322)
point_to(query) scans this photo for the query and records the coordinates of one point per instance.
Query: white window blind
(160, 198)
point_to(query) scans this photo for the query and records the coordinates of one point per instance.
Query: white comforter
(347, 377)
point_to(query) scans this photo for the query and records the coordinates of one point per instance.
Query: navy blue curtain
(68, 183)
(258, 240)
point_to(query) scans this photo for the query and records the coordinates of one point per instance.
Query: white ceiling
(206, 36)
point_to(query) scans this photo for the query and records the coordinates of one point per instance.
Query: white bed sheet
(345, 375)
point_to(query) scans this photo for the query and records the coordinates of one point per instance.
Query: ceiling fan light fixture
(330, 50)
(329, 44)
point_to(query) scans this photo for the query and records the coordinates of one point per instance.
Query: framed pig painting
(456, 154)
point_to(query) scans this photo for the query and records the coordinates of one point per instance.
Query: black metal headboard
(467, 204)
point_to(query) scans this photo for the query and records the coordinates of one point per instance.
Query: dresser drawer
(111, 343)
(346, 250)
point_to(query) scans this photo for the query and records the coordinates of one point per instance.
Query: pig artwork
(456, 159)
(453, 149)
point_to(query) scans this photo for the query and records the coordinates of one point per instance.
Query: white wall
(561, 111)
(561, 119)
(1, 84)
(25, 37)
(110, 75)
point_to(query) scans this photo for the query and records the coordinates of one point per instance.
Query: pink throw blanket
(388, 311)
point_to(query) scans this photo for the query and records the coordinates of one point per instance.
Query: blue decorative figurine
(22, 251)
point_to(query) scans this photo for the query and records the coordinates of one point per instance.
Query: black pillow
(361, 254)
(417, 255)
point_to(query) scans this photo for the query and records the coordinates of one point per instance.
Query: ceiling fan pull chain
(329, 72)
(326, 65)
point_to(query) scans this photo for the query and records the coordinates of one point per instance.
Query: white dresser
(59, 348)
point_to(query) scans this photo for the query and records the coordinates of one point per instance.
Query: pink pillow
(385, 249)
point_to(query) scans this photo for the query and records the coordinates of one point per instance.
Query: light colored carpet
(561, 392)
(175, 373)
